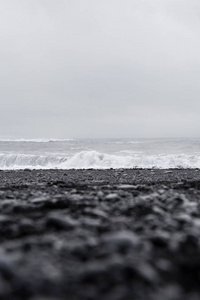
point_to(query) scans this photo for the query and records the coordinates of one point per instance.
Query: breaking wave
(96, 160)
(23, 161)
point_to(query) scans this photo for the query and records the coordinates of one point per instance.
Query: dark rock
(120, 241)
(160, 238)
(40, 200)
(112, 197)
(95, 212)
(26, 226)
(60, 222)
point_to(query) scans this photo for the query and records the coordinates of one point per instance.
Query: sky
(99, 68)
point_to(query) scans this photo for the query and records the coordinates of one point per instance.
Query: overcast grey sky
(99, 68)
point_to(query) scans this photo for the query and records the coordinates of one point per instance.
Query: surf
(97, 160)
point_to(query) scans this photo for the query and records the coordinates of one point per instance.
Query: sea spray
(97, 160)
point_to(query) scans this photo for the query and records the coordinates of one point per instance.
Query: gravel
(100, 234)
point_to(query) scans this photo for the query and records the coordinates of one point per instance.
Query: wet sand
(100, 234)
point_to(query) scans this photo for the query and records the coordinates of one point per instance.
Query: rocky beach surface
(126, 234)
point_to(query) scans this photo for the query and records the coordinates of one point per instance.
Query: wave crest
(22, 161)
(96, 160)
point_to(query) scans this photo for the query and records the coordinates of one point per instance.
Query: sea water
(99, 153)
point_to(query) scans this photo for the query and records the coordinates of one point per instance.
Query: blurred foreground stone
(100, 234)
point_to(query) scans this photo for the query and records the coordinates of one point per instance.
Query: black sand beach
(100, 234)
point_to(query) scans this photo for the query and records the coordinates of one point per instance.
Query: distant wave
(36, 140)
(96, 160)
(135, 142)
(22, 161)
(127, 142)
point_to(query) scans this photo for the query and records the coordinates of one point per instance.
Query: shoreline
(111, 234)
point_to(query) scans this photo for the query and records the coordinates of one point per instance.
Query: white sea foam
(22, 161)
(129, 152)
(36, 140)
(96, 160)
(135, 142)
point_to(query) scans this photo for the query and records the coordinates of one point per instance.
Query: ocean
(99, 153)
